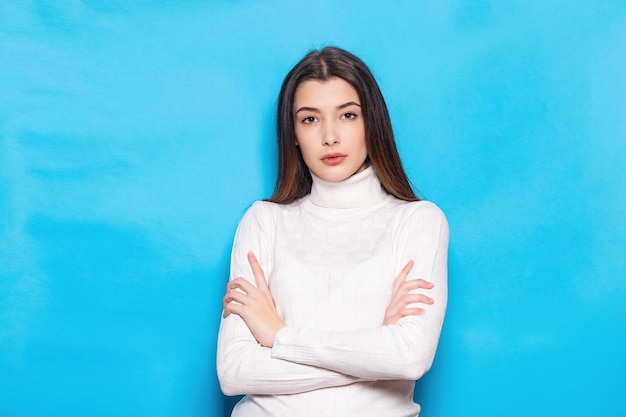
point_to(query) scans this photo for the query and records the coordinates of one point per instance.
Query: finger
(412, 312)
(241, 284)
(257, 271)
(232, 308)
(415, 284)
(227, 309)
(417, 298)
(395, 309)
(404, 312)
(425, 284)
(228, 303)
(236, 296)
(402, 275)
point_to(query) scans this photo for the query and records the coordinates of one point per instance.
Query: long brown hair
(294, 179)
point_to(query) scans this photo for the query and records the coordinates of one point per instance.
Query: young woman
(338, 283)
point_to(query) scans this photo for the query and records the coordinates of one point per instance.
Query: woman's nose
(330, 135)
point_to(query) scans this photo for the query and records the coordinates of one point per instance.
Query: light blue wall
(133, 135)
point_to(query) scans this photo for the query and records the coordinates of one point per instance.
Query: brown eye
(308, 120)
(349, 116)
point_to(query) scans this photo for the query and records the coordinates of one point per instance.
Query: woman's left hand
(254, 304)
(403, 296)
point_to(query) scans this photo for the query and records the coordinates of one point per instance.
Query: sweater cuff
(286, 346)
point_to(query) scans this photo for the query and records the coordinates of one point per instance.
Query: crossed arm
(255, 305)
(258, 354)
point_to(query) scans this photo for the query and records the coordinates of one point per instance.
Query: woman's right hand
(254, 304)
(402, 297)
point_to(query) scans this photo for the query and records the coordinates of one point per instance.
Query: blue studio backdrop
(134, 135)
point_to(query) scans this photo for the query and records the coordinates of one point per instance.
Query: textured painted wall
(134, 136)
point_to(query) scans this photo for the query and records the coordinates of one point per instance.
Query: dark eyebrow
(313, 109)
(348, 104)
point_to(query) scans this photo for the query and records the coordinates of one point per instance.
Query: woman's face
(330, 129)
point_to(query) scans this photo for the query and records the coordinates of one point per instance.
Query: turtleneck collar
(359, 190)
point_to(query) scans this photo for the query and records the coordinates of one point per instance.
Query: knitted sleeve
(243, 365)
(402, 351)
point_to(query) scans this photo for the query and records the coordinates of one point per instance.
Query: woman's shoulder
(261, 211)
(419, 218)
(422, 209)
(262, 208)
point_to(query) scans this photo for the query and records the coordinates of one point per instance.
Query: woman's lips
(333, 158)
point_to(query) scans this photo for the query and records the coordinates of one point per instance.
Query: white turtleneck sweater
(330, 260)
